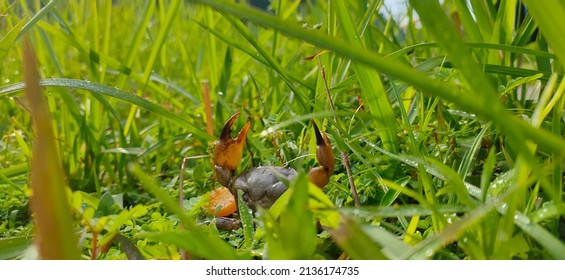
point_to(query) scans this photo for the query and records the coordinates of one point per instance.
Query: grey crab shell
(262, 186)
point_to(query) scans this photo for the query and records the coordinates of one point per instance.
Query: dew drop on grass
(429, 253)
(521, 219)
(503, 207)
(268, 131)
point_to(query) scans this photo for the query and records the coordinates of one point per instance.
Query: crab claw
(227, 150)
(320, 175)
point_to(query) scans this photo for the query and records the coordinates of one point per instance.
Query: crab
(263, 185)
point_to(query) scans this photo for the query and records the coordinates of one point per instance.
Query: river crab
(263, 185)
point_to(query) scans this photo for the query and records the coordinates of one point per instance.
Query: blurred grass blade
(400, 211)
(199, 243)
(152, 187)
(114, 93)
(55, 237)
(228, 40)
(14, 247)
(549, 15)
(429, 246)
(363, 242)
(323, 207)
(475, 46)
(294, 235)
(549, 210)
(554, 246)
(9, 39)
(149, 8)
(269, 59)
(195, 240)
(454, 182)
(468, 21)
(298, 228)
(289, 213)
(373, 92)
(471, 154)
(172, 11)
(35, 19)
(462, 189)
(486, 174)
(436, 21)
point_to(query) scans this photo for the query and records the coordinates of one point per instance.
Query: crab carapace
(263, 185)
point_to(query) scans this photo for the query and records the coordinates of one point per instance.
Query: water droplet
(429, 253)
(503, 207)
(521, 219)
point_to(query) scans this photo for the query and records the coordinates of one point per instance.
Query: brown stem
(344, 156)
(183, 254)
(94, 249)
(104, 248)
(277, 150)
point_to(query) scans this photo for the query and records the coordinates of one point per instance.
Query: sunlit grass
(451, 123)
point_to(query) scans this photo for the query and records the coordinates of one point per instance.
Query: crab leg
(320, 175)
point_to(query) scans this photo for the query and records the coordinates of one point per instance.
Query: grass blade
(198, 243)
(272, 62)
(549, 15)
(364, 242)
(14, 247)
(9, 39)
(517, 129)
(373, 92)
(114, 93)
(195, 240)
(55, 237)
(170, 17)
(246, 216)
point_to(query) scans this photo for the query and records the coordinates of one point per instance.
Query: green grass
(448, 125)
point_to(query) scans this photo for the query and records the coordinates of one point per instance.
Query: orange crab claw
(222, 199)
(320, 175)
(227, 150)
